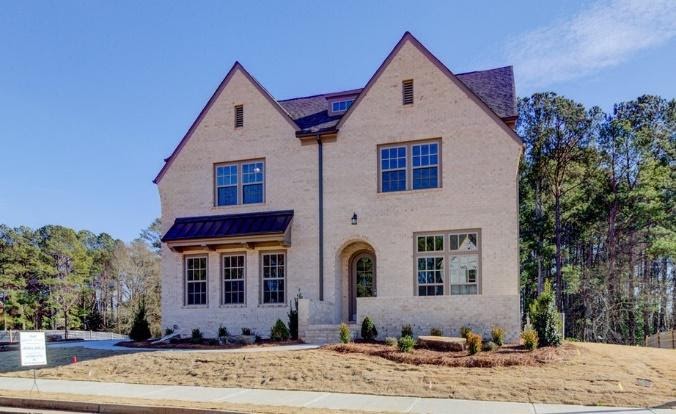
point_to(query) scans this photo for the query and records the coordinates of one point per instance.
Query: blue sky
(93, 94)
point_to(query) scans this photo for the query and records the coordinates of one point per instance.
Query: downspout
(320, 162)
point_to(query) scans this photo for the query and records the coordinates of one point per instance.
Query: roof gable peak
(237, 66)
(408, 37)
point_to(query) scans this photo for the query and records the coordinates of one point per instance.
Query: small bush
(465, 331)
(140, 329)
(279, 331)
(168, 331)
(489, 346)
(222, 331)
(345, 334)
(473, 343)
(436, 332)
(406, 330)
(406, 343)
(246, 331)
(293, 316)
(498, 335)
(196, 336)
(545, 317)
(530, 338)
(391, 341)
(368, 329)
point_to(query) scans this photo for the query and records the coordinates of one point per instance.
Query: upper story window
(341, 106)
(239, 116)
(407, 92)
(239, 183)
(411, 166)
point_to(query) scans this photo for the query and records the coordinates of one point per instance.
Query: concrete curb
(103, 408)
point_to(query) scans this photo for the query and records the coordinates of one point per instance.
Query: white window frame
(283, 278)
(242, 279)
(239, 165)
(409, 164)
(187, 282)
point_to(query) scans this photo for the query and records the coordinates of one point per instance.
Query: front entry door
(362, 280)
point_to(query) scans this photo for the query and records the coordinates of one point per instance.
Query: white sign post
(33, 351)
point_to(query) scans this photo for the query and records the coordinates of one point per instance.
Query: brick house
(398, 200)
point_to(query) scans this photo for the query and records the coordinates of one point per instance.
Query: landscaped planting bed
(188, 343)
(505, 356)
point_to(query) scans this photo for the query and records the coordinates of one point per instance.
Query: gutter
(320, 162)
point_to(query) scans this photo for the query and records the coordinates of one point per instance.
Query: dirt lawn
(595, 374)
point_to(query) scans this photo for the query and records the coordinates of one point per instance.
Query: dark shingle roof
(494, 86)
(231, 225)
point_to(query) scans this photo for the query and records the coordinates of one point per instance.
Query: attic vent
(407, 91)
(239, 116)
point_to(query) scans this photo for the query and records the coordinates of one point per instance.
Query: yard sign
(33, 349)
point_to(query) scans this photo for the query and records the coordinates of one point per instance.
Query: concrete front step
(326, 333)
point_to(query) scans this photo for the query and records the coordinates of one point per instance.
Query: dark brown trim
(409, 37)
(202, 114)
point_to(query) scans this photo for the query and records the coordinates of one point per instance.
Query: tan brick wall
(479, 167)
(448, 313)
(291, 183)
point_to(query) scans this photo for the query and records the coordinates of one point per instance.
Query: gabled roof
(235, 67)
(495, 87)
(479, 81)
(493, 90)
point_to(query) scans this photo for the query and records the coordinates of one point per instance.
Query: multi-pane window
(448, 263)
(430, 264)
(464, 266)
(240, 183)
(233, 279)
(341, 106)
(226, 185)
(274, 272)
(393, 167)
(410, 166)
(425, 165)
(464, 274)
(252, 182)
(196, 280)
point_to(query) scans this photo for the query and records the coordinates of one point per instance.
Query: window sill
(233, 306)
(236, 206)
(195, 307)
(420, 190)
(272, 305)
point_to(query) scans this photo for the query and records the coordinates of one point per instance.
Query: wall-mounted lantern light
(354, 219)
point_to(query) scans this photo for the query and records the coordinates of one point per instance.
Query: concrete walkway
(109, 345)
(318, 400)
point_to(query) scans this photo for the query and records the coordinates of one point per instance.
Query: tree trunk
(65, 323)
(559, 263)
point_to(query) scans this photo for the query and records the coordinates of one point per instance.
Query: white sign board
(33, 348)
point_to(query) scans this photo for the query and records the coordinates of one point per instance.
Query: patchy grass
(505, 356)
(590, 374)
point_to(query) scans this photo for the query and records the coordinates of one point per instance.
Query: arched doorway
(362, 279)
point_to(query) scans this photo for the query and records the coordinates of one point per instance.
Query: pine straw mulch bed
(505, 356)
(187, 344)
